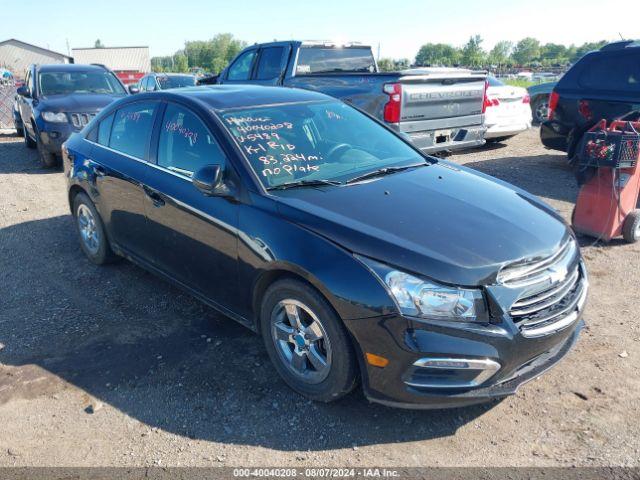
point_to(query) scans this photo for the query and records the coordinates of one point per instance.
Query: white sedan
(508, 110)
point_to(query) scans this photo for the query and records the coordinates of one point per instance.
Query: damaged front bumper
(434, 365)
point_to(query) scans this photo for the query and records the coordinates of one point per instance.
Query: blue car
(58, 100)
(354, 255)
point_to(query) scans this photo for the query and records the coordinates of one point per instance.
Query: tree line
(528, 52)
(209, 56)
(213, 55)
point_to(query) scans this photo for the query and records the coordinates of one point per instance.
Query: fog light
(451, 372)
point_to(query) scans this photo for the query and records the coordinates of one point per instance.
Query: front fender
(271, 246)
(79, 175)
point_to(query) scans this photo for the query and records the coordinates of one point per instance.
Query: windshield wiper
(304, 183)
(384, 171)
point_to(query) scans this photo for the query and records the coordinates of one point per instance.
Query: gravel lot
(112, 366)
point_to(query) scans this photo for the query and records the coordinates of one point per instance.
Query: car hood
(77, 102)
(448, 223)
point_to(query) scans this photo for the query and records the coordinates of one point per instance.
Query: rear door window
(132, 127)
(609, 72)
(241, 68)
(104, 130)
(185, 143)
(270, 63)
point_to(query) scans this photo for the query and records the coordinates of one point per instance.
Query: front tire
(29, 143)
(47, 159)
(631, 227)
(307, 342)
(91, 231)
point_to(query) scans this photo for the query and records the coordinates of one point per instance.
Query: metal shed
(16, 56)
(129, 63)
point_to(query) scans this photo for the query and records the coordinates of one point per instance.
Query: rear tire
(573, 143)
(91, 231)
(307, 342)
(540, 109)
(631, 227)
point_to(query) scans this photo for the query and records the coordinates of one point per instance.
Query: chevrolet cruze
(356, 257)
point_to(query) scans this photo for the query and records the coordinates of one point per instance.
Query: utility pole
(68, 49)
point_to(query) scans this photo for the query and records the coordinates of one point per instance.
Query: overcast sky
(399, 26)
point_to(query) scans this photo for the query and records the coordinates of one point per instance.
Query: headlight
(59, 117)
(418, 297)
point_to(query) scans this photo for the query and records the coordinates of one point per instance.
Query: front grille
(80, 120)
(553, 291)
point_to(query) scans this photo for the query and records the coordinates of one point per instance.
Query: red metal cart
(606, 205)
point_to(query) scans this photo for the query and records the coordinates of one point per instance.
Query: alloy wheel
(88, 229)
(301, 341)
(542, 111)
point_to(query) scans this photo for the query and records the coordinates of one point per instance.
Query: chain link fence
(7, 96)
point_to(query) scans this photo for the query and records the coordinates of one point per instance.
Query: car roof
(223, 97)
(620, 45)
(171, 74)
(68, 67)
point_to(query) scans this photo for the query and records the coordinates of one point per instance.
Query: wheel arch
(283, 271)
(538, 96)
(74, 190)
(34, 126)
(292, 272)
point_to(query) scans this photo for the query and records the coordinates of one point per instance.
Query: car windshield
(315, 142)
(62, 83)
(176, 81)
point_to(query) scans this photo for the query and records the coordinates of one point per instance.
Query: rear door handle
(154, 195)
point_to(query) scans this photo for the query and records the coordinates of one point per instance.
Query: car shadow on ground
(547, 176)
(135, 342)
(488, 147)
(28, 158)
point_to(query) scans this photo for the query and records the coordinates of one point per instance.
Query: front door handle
(154, 195)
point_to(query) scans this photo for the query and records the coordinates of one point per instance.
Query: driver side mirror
(23, 92)
(133, 89)
(209, 180)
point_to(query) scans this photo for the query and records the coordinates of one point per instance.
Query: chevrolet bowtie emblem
(557, 274)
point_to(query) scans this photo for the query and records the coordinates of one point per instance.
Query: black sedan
(356, 257)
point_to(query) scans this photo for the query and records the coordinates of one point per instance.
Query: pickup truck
(439, 109)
